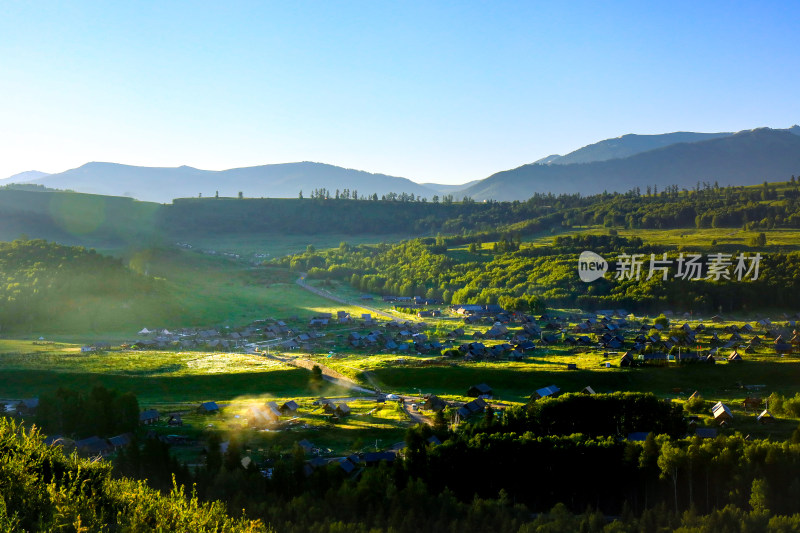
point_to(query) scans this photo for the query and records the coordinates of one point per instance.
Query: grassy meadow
(155, 377)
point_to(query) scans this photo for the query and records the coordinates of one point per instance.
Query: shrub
(775, 403)
(791, 406)
(695, 404)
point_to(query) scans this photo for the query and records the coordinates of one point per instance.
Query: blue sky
(432, 91)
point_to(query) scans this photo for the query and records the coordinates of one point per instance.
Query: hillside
(75, 218)
(744, 158)
(275, 181)
(46, 286)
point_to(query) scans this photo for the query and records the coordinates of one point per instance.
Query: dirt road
(301, 281)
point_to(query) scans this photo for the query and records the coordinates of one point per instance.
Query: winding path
(301, 281)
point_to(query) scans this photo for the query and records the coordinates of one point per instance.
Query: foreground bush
(42, 489)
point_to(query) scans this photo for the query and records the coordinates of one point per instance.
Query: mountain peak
(28, 175)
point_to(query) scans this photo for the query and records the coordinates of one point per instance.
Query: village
(457, 336)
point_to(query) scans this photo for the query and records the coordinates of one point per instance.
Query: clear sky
(432, 91)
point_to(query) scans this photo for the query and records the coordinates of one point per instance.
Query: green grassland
(156, 377)
(194, 291)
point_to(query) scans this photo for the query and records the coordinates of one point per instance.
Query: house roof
(29, 403)
(374, 457)
(547, 391)
(209, 406)
(346, 465)
(273, 409)
(475, 405)
(93, 445)
(121, 440)
(721, 409)
(764, 414)
(148, 414)
(435, 403)
(291, 405)
(706, 433)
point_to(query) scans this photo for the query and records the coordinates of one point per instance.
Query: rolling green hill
(75, 218)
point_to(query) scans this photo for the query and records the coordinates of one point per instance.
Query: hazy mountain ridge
(611, 164)
(442, 188)
(160, 184)
(28, 175)
(743, 158)
(630, 144)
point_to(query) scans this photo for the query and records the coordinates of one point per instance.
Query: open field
(29, 370)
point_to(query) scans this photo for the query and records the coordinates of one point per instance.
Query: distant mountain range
(277, 181)
(619, 164)
(744, 158)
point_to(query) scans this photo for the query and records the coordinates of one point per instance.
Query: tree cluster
(102, 412)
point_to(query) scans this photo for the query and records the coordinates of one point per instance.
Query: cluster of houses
(478, 310)
(93, 446)
(393, 336)
(481, 393)
(342, 317)
(270, 413)
(351, 465)
(208, 339)
(411, 301)
(609, 330)
(723, 415)
(645, 343)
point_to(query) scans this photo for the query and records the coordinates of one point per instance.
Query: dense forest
(41, 280)
(101, 411)
(523, 277)
(766, 206)
(521, 471)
